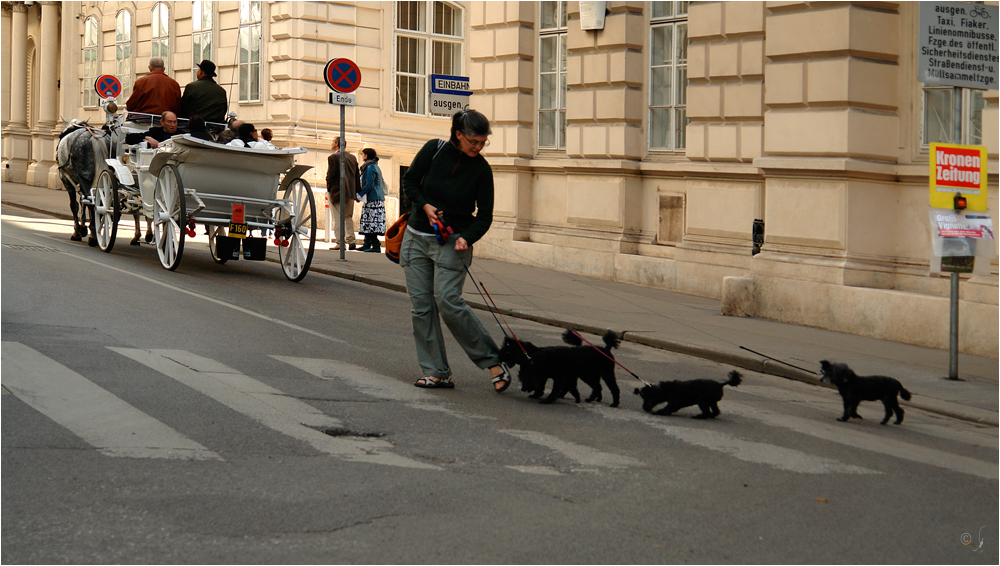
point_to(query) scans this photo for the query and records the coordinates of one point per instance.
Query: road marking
(842, 433)
(583, 455)
(90, 412)
(746, 450)
(267, 405)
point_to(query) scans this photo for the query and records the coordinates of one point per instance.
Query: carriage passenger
(155, 93)
(155, 135)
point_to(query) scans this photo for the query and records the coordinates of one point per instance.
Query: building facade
(641, 148)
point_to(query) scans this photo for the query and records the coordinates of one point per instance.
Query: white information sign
(957, 44)
(341, 98)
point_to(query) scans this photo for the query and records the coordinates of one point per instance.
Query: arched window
(428, 40)
(161, 33)
(249, 45)
(201, 33)
(123, 51)
(91, 61)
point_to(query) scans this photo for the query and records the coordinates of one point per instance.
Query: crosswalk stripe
(746, 450)
(267, 405)
(90, 412)
(583, 455)
(844, 433)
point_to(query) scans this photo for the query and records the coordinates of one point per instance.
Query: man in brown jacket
(155, 93)
(352, 179)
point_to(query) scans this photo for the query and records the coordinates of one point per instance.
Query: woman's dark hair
(470, 123)
(244, 132)
(369, 153)
(196, 124)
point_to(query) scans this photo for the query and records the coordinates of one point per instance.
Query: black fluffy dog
(679, 394)
(564, 365)
(856, 388)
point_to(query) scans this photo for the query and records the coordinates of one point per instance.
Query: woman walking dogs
(451, 186)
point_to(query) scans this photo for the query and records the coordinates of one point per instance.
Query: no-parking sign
(108, 86)
(342, 75)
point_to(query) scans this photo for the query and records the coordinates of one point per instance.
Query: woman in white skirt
(372, 192)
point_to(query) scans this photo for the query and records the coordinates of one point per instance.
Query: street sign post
(343, 77)
(449, 94)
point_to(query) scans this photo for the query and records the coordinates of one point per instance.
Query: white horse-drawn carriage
(187, 181)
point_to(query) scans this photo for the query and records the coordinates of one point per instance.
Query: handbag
(394, 237)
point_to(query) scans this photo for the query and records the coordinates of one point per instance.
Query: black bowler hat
(207, 67)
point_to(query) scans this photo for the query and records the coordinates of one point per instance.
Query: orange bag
(394, 237)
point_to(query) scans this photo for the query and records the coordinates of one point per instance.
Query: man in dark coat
(166, 130)
(352, 179)
(204, 97)
(155, 93)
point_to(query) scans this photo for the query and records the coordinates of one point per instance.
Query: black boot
(368, 243)
(376, 246)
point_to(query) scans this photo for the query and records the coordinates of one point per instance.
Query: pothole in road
(339, 432)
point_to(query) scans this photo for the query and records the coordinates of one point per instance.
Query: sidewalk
(662, 319)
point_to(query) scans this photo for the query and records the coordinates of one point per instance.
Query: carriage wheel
(296, 257)
(169, 217)
(214, 231)
(107, 210)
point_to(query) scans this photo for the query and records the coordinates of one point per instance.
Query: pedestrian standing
(372, 193)
(351, 181)
(450, 183)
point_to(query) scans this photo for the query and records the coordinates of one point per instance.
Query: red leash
(575, 333)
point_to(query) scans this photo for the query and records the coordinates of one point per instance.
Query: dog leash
(512, 335)
(575, 333)
(779, 361)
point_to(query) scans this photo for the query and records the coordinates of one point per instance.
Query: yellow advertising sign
(958, 169)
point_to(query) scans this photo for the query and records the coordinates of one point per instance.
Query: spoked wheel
(107, 210)
(299, 228)
(169, 217)
(214, 231)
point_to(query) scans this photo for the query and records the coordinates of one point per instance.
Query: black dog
(679, 394)
(564, 365)
(856, 388)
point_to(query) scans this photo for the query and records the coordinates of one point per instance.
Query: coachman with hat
(204, 97)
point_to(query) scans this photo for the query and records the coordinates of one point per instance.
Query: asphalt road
(221, 414)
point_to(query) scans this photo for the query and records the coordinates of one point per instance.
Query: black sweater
(459, 185)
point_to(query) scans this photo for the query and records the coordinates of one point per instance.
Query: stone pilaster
(17, 138)
(42, 171)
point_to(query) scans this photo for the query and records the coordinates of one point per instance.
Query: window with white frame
(428, 37)
(201, 33)
(552, 75)
(249, 45)
(953, 115)
(161, 33)
(123, 51)
(91, 60)
(668, 75)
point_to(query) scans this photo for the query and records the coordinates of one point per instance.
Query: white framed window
(668, 75)
(201, 33)
(161, 34)
(123, 51)
(953, 115)
(91, 60)
(552, 75)
(249, 45)
(428, 38)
